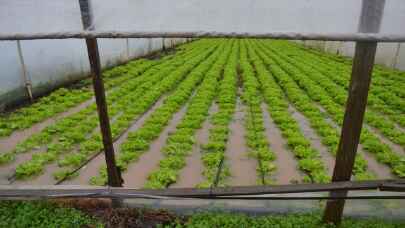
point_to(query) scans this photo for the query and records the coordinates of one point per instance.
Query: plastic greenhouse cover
(39, 16)
(195, 15)
(240, 15)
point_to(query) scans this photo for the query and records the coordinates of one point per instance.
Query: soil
(10, 142)
(121, 217)
(310, 134)
(287, 171)
(394, 147)
(137, 173)
(242, 168)
(191, 174)
(380, 170)
(91, 169)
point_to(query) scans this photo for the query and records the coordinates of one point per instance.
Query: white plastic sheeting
(51, 63)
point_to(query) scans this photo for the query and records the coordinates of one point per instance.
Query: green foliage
(42, 214)
(171, 76)
(314, 220)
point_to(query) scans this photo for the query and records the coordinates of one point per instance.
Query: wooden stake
(362, 68)
(114, 177)
(26, 79)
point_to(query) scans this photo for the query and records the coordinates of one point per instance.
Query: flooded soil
(242, 168)
(287, 167)
(138, 172)
(315, 140)
(380, 170)
(191, 175)
(92, 168)
(394, 147)
(10, 142)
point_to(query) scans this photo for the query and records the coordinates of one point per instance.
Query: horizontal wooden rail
(371, 37)
(57, 191)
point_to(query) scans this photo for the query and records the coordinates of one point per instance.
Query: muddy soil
(137, 173)
(10, 142)
(287, 167)
(191, 174)
(309, 133)
(380, 170)
(91, 169)
(242, 167)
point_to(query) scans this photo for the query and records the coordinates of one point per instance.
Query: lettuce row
(383, 77)
(57, 102)
(213, 152)
(145, 96)
(179, 144)
(370, 142)
(63, 98)
(309, 160)
(385, 96)
(79, 127)
(315, 71)
(328, 133)
(138, 141)
(256, 139)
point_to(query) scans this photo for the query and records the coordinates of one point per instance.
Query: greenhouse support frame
(366, 43)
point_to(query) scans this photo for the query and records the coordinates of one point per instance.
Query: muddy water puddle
(380, 170)
(314, 139)
(9, 143)
(287, 167)
(137, 173)
(92, 168)
(242, 167)
(191, 174)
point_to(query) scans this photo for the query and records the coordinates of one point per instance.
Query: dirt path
(137, 173)
(92, 168)
(191, 175)
(10, 142)
(287, 167)
(242, 168)
(315, 140)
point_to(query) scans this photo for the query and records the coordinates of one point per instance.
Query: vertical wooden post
(26, 79)
(114, 177)
(370, 20)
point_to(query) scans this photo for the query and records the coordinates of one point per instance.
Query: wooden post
(114, 177)
(25, 77)
(370, 20)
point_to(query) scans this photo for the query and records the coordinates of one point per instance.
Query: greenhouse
(202, 114)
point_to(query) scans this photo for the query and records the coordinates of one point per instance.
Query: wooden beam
(370, 20)
(114, 176)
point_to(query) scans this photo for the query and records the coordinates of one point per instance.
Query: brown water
(380, 170)
(242, 168)
(10, 142)
(191, 174)
(287, 167)
(394, 147)
(92, 168)
(314, 139)
(138, 172)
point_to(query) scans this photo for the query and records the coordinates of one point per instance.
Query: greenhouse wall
(50, 63)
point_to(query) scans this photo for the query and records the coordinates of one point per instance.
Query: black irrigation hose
(108, 194)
